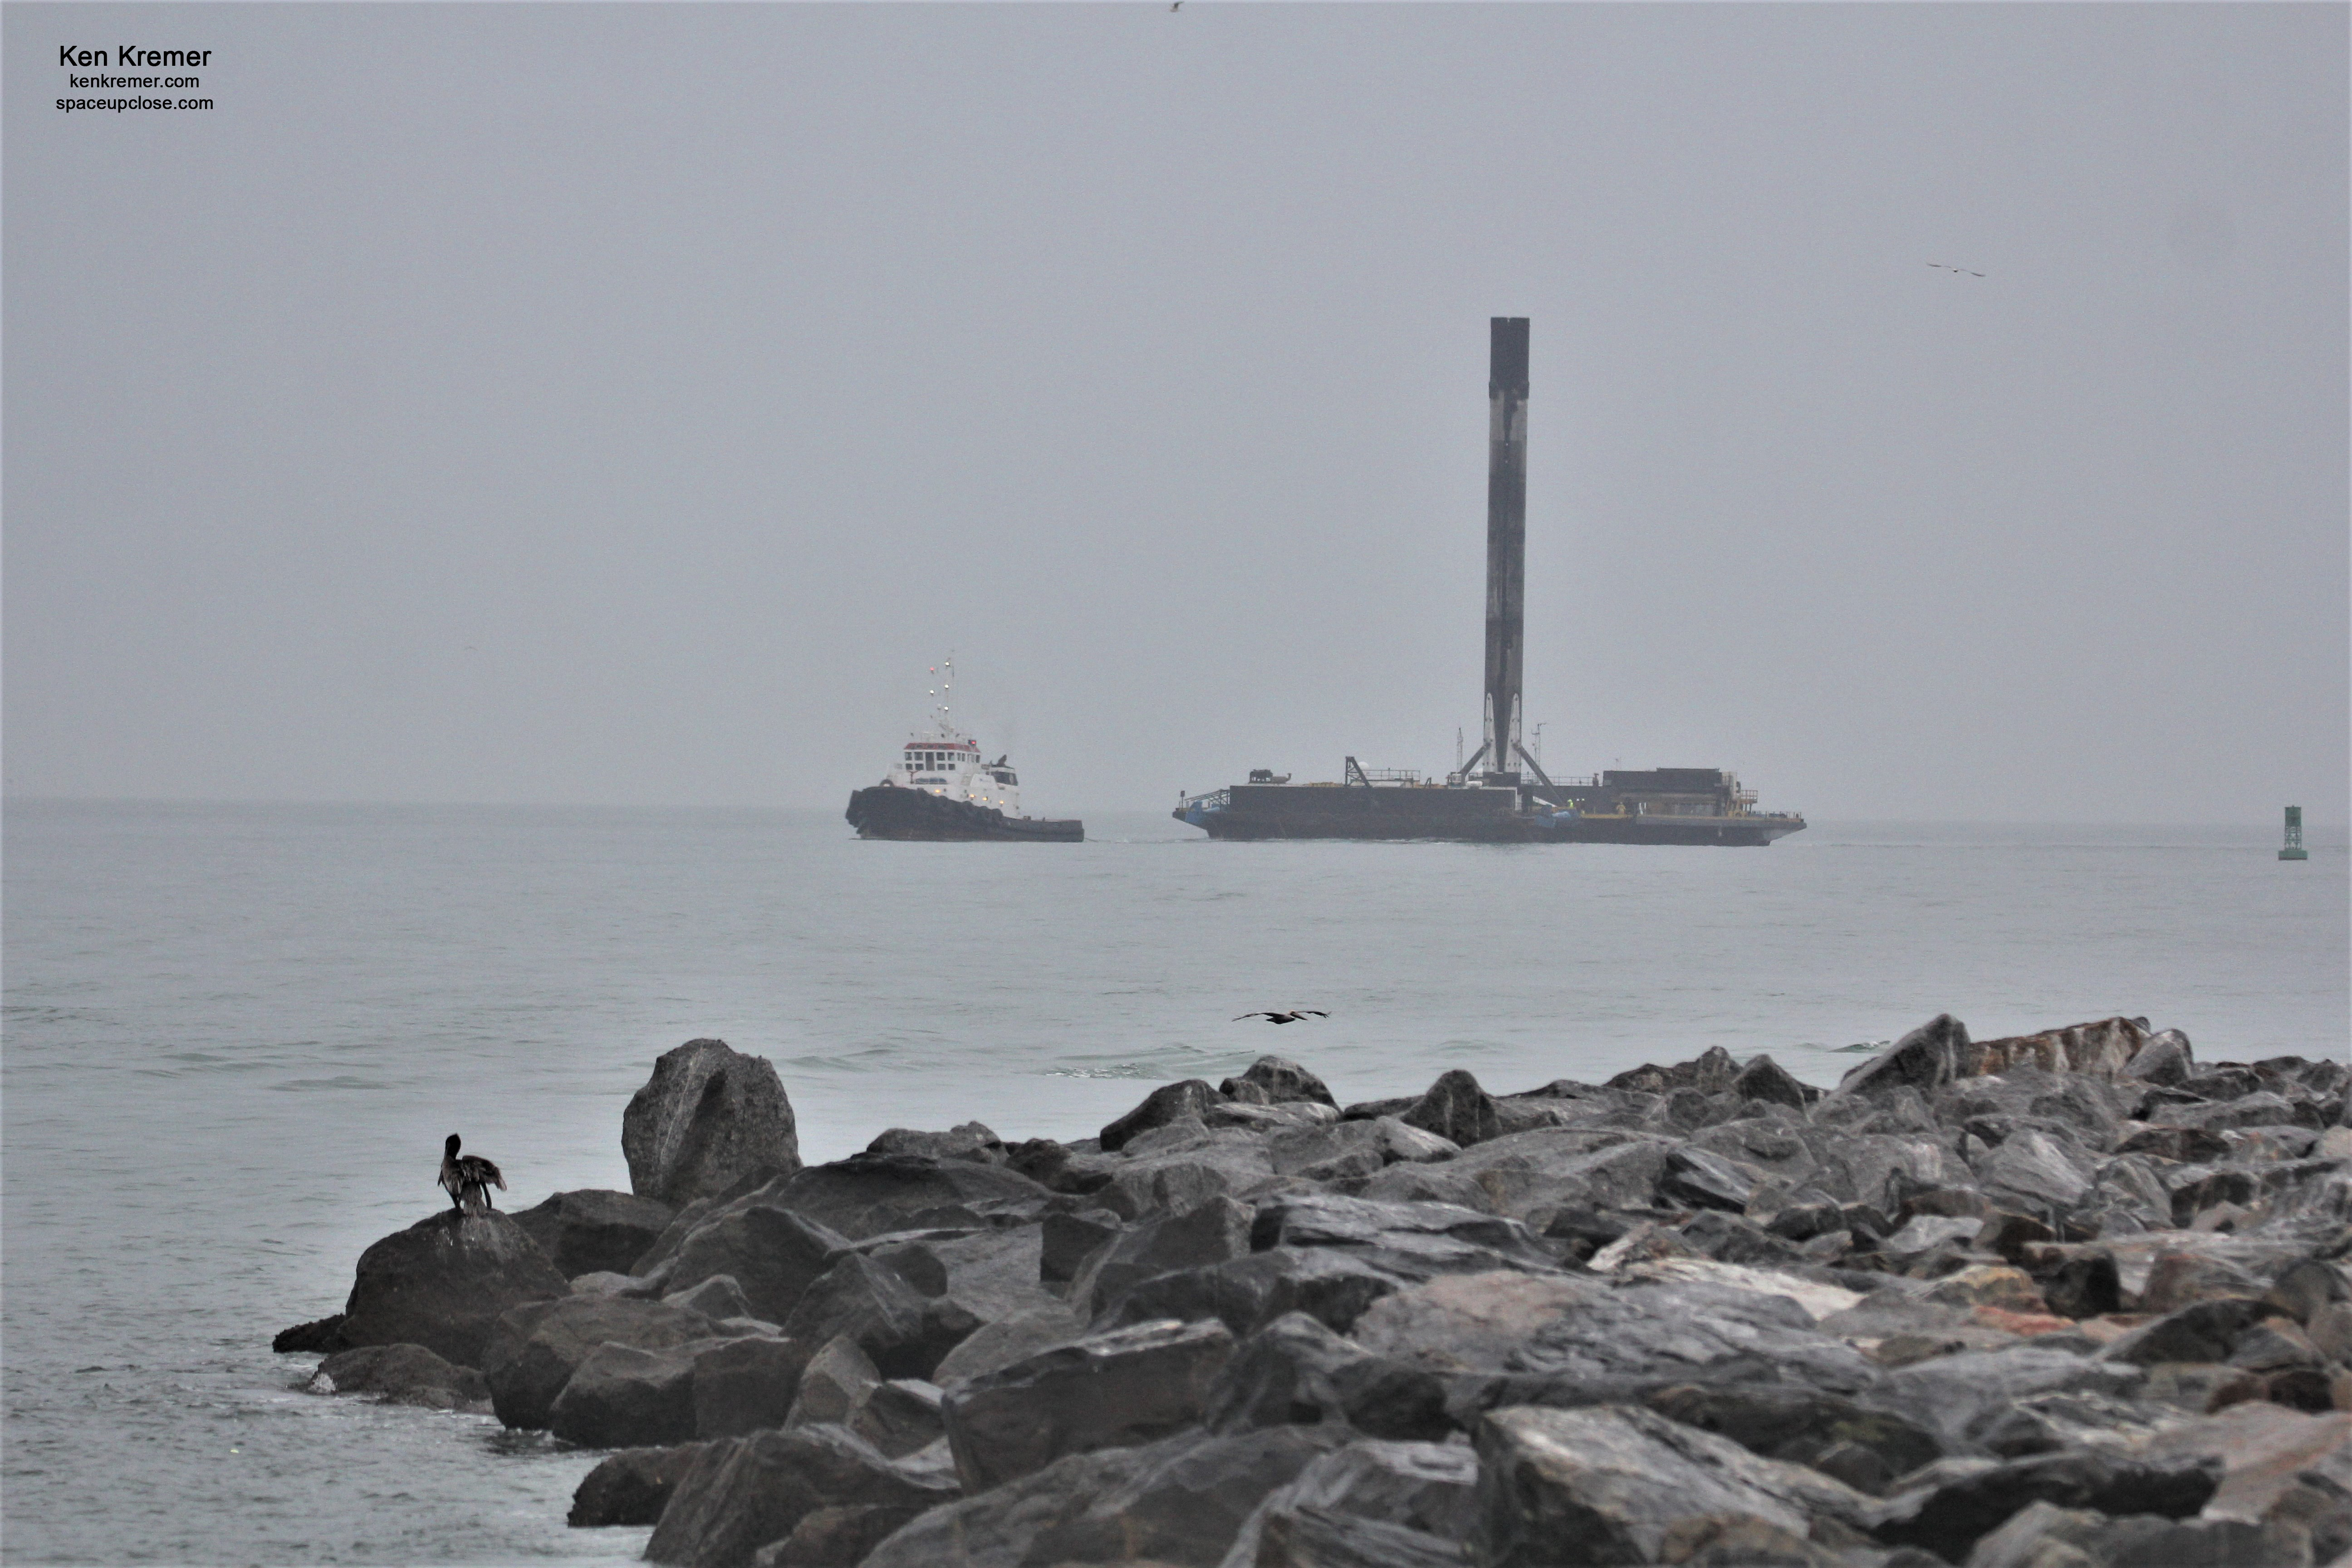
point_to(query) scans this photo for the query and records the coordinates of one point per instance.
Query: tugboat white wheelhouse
(940, 789)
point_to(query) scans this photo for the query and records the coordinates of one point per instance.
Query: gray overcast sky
(608, 404)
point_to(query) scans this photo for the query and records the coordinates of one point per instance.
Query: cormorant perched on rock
(468, 1178)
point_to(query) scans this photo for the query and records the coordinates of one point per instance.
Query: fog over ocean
(237, 1034)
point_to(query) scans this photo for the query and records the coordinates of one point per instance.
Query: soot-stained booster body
(1506, 545)
(1500, 793)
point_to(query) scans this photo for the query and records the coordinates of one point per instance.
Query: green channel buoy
(2293, 850)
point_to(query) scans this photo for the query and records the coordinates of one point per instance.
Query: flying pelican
(468, 1178)
(1290, 1017)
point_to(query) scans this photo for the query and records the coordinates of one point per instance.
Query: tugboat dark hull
(886, 811)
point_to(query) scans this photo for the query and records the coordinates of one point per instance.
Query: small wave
(346, 1080)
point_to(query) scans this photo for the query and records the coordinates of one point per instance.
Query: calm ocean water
(236, 1037)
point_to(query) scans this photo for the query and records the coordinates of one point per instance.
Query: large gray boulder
(1120, 1389)
(1615, 1483)
(1295, 1372)
(594, 1231)
(744, 1492)
(403, 1374)
(1179, 1502)
(1170, 1102)
(1430, 1489)
(1212, 1232)
(631, 1487)
(536, 1348)
(622, 1396)
(747, 1386)
(1924, 1060)
(772, 1253)
(709, 1117)
(1947, 1508)
(1280, 1081)
(444, 1282)
(869, 1194)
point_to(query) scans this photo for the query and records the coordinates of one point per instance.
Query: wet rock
(1419, 1240)
(2050, 1423)
(2178, 1280)
(1456, 1109)
(1344, 1148)
(2086, 1285)
(2305, 1288)
(1802, 1425)
(1955, 1393)
(1182, 1172)
(1179, 1502)
(2188, 1145)
(1209, 1233)
(537, 1348)
(863, 1301)
(1310, 1537)
(772, 1253)
(1016, 1338)
(1924, 1061)
(900, 1418)
(2036, 1167)
(747, 1386)
(1617, 1484)
(444, 1281)
(319, 1336)
(1267, 1120)
(2162, 1059)
(972, 1140)
(622, 1396)
(403, 1374)
(1169, 1103)
(1282, 1081)
(1424, 1489)
(1695, 1179)
(1069, 1238)
(832, 1385)
(1765, 1079)
(1120, 1389)
(1526, 1174)
(1950, 1506)
(1332, 1284)
(594, 1231)
(2202, 1331)
(1296, 1372)
(717, 1296)
(745, 1492)
(834, 1537)
(872, 1194)
(631, 1487)
(708, 1117)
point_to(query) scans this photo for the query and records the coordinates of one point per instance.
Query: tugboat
(941, 790)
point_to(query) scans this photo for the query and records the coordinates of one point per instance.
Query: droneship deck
(1661, 806)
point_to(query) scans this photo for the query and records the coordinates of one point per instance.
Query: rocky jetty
(2071, 1299)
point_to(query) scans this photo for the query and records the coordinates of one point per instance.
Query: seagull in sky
(1290, 1017)
(1971, 272)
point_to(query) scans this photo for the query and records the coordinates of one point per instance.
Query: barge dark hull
(1260, 811)
(915, 815)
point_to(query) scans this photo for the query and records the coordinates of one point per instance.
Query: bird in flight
(1941, 267)
(1290, 1017)
(1178, 6)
